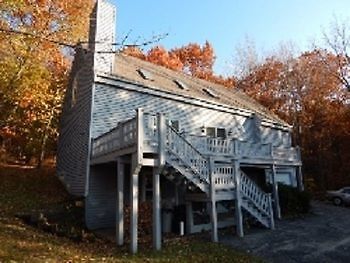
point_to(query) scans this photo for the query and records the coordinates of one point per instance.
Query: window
(346, 191)
(210, 131)
(221, 133)
(145, 74)
(210, 93)
(215, 132)
(180, 84)
(175, 124)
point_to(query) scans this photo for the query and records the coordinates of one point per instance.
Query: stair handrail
(195, 166)
(185, 140)
(255, 194)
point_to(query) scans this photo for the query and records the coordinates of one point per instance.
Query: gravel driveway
(322, 236)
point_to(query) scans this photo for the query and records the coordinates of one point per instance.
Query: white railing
(254, 150)
(188, 154)
(286, 154)
(251, 191)
(223, 176)
(124, 135)
(120, 137)
(150, 130)
(212, 146)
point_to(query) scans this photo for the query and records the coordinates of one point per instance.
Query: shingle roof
(164, 79)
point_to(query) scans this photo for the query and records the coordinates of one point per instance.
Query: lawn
(28, 191)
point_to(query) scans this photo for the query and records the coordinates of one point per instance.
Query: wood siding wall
(74, 132)
(112, 105)
(100, 204)
(74, 139)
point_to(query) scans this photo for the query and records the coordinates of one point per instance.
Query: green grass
(30, 190)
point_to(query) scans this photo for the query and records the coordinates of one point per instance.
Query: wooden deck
(210, 164)
(122, 140)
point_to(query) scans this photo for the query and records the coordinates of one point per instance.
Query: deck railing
(290, 154)
(125, 135)
(150, 130)
(122, 136)
(208, 145)
(223, 176)
(254, 150)
(181, 148)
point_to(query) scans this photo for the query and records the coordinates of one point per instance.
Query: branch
(12, 31)
(154, 39)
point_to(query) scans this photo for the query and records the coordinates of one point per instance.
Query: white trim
(87, 176)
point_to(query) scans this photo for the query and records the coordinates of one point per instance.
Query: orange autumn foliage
(34, 71)
(306, 92)
(192, 59)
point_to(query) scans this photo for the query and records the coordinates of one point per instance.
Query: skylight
(210, 93)
(145, 74)
(180, 84)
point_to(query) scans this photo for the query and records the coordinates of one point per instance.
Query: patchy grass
(24, 190)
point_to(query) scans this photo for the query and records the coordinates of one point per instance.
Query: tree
(197, 61)
(192, 59)
(246, 58)
(35, 37)
(160, 56)
(337, 40)
(305, 92)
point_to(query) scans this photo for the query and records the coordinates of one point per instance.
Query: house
(132, 131)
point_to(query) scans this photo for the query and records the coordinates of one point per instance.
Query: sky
(226, 24)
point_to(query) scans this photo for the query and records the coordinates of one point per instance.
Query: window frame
(171, 123)
(215, 132)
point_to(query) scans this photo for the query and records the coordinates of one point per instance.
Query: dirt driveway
(322, 236)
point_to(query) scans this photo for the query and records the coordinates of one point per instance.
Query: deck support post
(120, 203)
(299, 175)
(136, 164)
(157, 230)
(134, 198)
(275, 193)
(300, 183)
(157, 234)
(272, 219)
(213, 214)
(238, 200)
(189, 217)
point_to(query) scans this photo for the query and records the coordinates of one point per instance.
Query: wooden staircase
(212, 165)
(202, 171)
(256, 202)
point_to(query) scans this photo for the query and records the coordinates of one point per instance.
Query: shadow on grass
(39, 221)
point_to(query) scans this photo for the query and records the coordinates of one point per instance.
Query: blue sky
(227, 23)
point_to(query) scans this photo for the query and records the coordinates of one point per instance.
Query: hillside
(40, 222)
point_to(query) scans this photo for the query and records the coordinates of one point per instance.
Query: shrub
(292, 201)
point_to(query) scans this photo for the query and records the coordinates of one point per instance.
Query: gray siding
(112, 105)
(74, 133)
(74, 139)
(100, 204)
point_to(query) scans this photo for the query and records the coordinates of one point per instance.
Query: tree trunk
(44, 141)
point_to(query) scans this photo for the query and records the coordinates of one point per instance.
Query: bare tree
(337, 40)
(245, 58)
